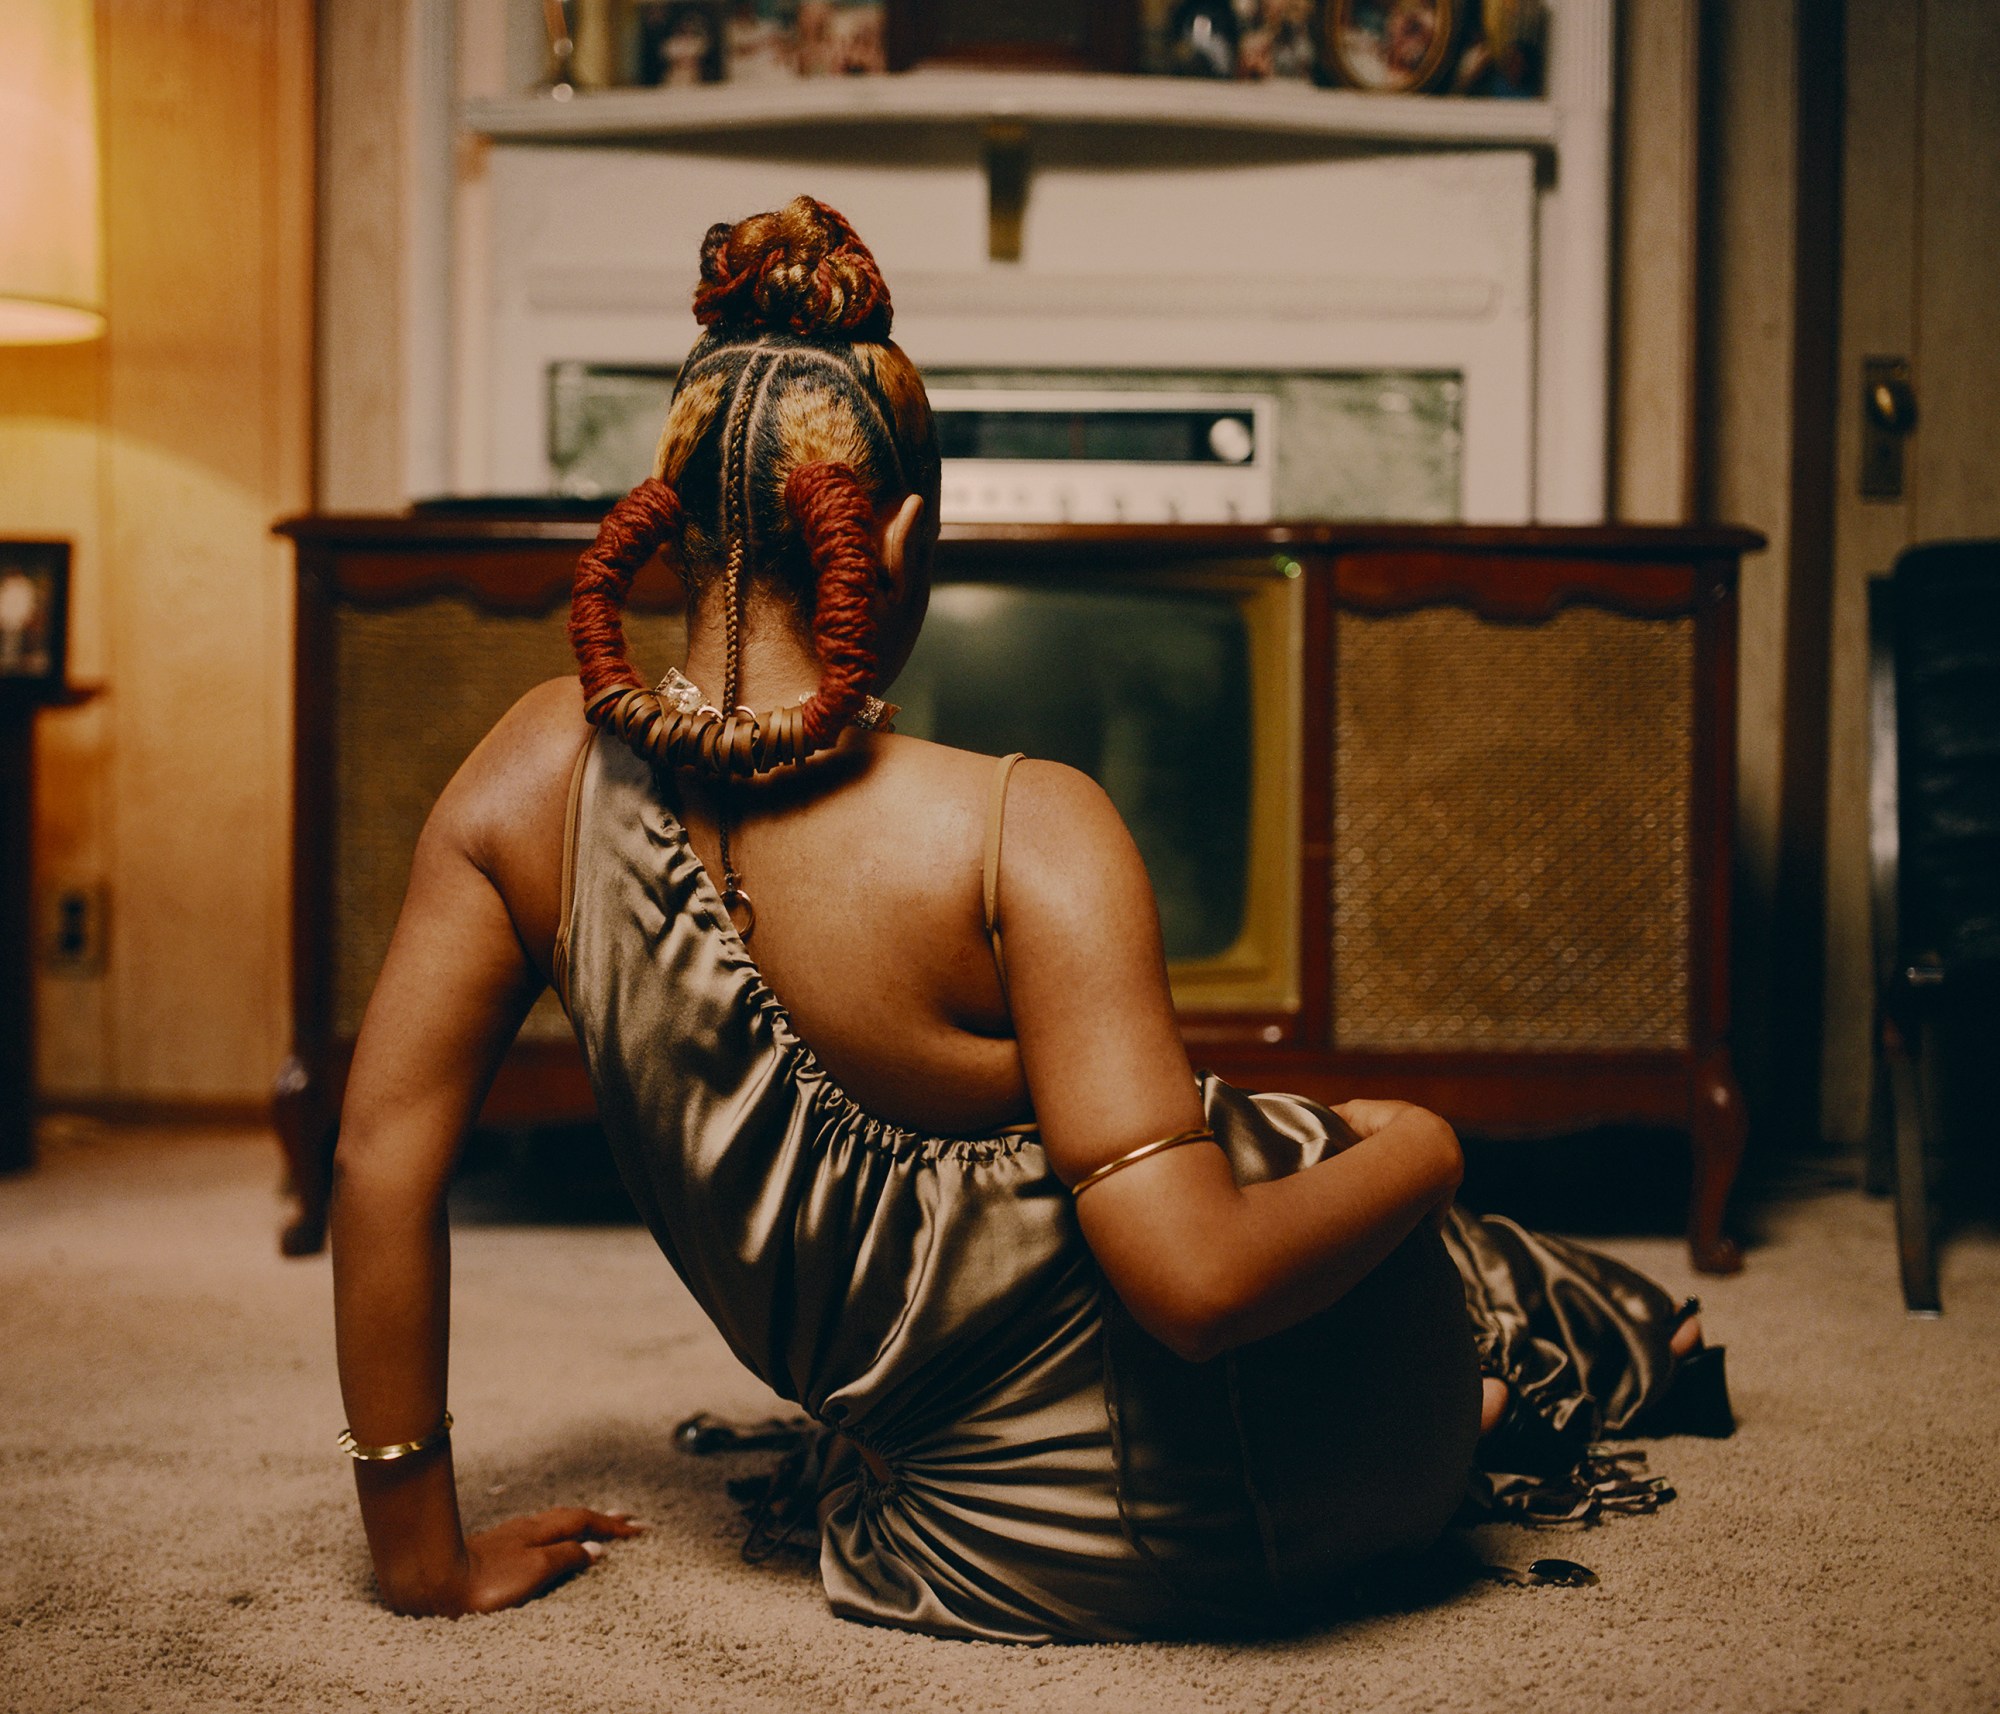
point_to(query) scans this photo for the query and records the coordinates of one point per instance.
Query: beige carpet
(177, 1530)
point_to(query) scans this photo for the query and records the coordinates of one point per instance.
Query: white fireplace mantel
(1034, 98)
(1343, 268)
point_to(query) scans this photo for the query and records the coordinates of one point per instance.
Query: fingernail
(595, 1549)
(622, 1517)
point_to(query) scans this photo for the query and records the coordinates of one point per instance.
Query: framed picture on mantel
(34, 616)
(1014, 35)
(1394, 46)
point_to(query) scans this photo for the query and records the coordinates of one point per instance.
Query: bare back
(865, 871)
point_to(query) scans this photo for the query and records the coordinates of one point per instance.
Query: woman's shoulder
(1058, 823)
(945, 768)
(515, 784)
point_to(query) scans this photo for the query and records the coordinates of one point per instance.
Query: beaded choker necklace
(736, 743)
(681, 694)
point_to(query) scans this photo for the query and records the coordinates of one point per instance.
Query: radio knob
(1229, 439)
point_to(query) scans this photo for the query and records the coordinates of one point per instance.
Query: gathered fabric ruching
(1054, 1473)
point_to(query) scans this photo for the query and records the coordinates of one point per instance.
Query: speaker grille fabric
(1511, 832)
(414, 689)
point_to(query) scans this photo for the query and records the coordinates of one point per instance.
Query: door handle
(1888, 416)
(1892, 404)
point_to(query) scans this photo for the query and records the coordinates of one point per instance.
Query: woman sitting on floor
(1099, 1348)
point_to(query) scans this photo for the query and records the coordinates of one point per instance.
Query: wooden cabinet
(1509, 799)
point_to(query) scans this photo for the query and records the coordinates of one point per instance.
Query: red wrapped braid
(836, 518)
(635, 529)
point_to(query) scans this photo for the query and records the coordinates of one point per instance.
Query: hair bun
(801, 269)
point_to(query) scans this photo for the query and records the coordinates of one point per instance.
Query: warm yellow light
(51, 267)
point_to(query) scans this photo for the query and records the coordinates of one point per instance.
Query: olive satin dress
(1053, 1472)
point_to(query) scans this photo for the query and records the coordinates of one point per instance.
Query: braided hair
(793, 419)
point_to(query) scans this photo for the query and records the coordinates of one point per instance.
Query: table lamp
(51, 253)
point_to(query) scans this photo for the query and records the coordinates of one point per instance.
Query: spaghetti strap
(559, 958)
(996, 818)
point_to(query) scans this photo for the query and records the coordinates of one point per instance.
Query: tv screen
(1147, 690)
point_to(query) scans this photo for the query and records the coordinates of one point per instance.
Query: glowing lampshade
(51, 272)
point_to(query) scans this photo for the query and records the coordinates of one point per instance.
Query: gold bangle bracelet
(1145, 1151)
(398, 1449)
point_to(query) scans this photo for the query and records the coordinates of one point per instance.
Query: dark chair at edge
(1934, 634)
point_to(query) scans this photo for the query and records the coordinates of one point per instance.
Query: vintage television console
(1438, 811)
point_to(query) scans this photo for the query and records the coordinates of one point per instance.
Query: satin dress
(1052, 1472)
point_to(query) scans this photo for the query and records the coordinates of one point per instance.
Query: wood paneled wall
(165, 453)
(362, 173)
(1720, 409)
(402, 225)
(1745, 437)
(1657, 220)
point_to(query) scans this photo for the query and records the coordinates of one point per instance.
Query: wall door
(1920, 284)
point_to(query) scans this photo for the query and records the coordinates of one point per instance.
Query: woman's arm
(453, 990)
(1202, 1265)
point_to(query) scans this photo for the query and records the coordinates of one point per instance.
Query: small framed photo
(848, 39)
(1023, 35)
(34, 615)
(681, 42)
(1503, 53)
(763, 41)
(1278, 41)
(1394, 46)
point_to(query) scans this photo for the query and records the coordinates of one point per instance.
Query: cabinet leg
(306, 1131)
(1717, 1134)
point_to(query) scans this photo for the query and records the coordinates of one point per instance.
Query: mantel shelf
(978, 98)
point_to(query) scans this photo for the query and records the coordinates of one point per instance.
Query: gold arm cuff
(399, 1449)
(1145, 1151)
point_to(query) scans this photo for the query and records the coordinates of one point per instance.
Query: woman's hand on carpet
(525, 1557)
